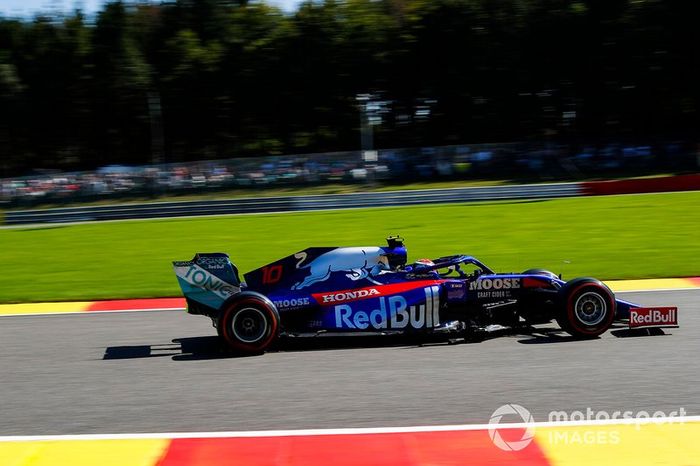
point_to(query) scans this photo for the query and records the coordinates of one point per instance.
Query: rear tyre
(586, 308)
(249, 323)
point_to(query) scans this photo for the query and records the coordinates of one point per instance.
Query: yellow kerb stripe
(43, 308)
(650, 284)
(658, 444)
(142, 452)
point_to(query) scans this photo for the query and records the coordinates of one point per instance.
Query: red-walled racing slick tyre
(249, 323)
(586, 308)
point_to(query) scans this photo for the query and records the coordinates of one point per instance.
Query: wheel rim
(590, 308)
(249, 325)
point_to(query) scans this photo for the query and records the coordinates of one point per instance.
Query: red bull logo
(393, 312)
(653, 317)
(360, 263)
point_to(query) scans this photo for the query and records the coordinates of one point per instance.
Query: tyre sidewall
(240, 303)
(567, 314)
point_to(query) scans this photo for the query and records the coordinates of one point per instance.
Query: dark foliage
(194, 79)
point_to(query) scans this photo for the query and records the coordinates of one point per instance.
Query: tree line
(199, 79)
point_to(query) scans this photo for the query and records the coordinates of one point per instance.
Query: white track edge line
(348, 431)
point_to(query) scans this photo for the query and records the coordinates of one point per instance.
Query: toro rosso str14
(373, 290)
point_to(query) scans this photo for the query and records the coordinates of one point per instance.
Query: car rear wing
(207, 280)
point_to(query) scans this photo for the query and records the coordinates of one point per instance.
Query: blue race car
(342, 290)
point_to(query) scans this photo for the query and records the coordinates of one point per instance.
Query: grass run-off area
(612, 237)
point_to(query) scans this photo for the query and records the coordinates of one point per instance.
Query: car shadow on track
(638, 332)
(211, 347)
(556, 335)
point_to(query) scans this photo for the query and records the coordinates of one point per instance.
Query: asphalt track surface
(165, 372)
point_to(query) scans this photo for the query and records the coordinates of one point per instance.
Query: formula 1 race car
(341, 290)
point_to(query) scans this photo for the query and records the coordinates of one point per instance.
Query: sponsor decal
(494, 288)
(456, 291)
(653, 317)
(213, 263)
(494, 284)
(493, 294)
(392, 312)
(293, 303)
(197, 276)
(351, 295)
(329, 298)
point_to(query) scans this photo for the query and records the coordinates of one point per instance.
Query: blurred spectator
(496, 161)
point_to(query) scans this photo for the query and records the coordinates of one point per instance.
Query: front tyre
(586, 308)
(249, 323)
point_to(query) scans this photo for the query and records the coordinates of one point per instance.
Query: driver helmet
(395, 257)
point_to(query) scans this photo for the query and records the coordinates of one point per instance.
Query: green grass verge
(612, 237)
